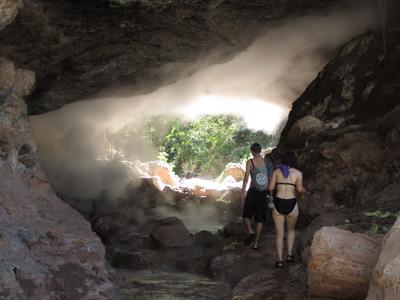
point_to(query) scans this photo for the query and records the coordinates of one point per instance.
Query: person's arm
(245, 180)
(272, 183)
(270, 168)
(299, 184)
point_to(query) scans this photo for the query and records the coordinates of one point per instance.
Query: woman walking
(287, 180)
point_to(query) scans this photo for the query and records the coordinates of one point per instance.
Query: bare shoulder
(297, 172)
(248, 164)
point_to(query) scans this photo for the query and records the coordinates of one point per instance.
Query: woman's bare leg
(291, 220)
(279, 221)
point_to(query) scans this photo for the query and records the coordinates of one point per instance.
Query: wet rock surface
(157, 284)
(227, 270)
(274, 284)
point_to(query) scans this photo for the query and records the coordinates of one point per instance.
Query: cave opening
(134, 163)
(158, 103)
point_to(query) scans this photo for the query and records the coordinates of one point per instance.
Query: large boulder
(341, 263)
(385, 279)
(332, 218)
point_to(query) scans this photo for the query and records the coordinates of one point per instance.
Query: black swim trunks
(284, 206)
(255, 205)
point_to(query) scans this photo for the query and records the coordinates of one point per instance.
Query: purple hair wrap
(285, 170)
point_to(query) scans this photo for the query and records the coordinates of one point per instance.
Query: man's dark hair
(289, 159)
(256, 148)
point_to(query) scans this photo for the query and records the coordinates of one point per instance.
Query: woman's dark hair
(289, 159)
(256, 148)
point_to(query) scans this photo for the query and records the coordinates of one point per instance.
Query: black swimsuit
(285, 206)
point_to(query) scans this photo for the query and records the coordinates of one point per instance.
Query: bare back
(286, 187)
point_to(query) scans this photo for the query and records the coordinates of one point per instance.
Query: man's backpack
(260, 178)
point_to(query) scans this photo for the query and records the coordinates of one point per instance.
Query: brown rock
(133, 260)
(207, 239)
(110, 226)
(7, 74)
(48, 250)
(304, 129)
(160, 173)
(235, 229)
(271, 283)
(392, 144)
(237, 261)
(332, 218)
(385, 279)
(306, 255)
(341, 163)
(235, 170)
(341, 263)
(25, 82)
(8, 11)
(172, 234)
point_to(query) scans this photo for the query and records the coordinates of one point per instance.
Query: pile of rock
(157, 243)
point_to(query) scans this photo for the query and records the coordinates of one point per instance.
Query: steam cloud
(275, 69)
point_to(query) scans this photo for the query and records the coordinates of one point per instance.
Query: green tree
(207, 144)
(203, 146)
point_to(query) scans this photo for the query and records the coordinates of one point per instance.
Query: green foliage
(207, 144)
(379, 216)
(202, 146)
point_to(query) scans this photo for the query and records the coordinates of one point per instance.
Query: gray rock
(8, 11)
(304, 129)
(384, 283)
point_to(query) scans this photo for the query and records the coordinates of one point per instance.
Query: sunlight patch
(257, 113)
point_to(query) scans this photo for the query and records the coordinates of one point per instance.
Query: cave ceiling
(79, 48)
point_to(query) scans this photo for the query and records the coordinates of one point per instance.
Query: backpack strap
(252, 162)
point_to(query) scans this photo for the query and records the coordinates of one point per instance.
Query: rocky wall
(47, 249)
(345, 129)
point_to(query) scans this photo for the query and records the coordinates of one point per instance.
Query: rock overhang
(78, 49)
